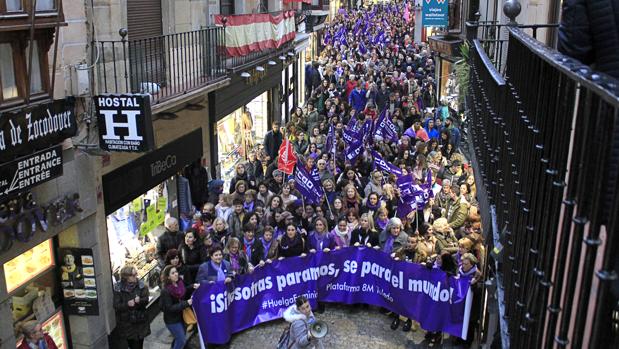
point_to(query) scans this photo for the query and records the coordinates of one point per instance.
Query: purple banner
(351, 275)
(353, 151)
(306, 185)
(384, 165)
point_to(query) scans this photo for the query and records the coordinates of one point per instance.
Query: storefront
(242, 112)
(138, 197)
(239, 132)
(447, 54)
(33, 219)
(301, 44)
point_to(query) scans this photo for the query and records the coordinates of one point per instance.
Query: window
(45, 5)
(14, 53)
(36, 84)
(7, 72)
(13, 5)
(226, 7)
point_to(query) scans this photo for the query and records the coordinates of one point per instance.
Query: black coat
(292, 247)
(168, 241)
(193, 258)
(171, 307)
(589, 32)
(131, 322)
(272, 142)
(359, 235)
(257, 251)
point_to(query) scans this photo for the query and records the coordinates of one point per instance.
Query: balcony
(169, 67)
(251, 38)
(544, 130)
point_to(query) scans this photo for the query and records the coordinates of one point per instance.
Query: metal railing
(165, 66)
(240, 62)
(546, 140)
(493, 37)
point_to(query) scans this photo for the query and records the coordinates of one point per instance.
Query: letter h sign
(125, 123)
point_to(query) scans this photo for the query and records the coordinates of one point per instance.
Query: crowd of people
(370, 70)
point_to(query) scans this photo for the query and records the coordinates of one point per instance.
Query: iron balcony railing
(546, 140)
(164, 66)
(493, 37)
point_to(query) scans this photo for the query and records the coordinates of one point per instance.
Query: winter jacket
(193, 258)
(357, 99)
(292, 247)
(131, 322)
(235, 225)
(457, 214)
(299, 328)
(373, 187)
(207, 273)
(399, 242)
(169, 240)
(364, 237)
(272, 142)
(256, 251)
(171, 307)
(242, 260)
(445, 243)
(589, 32)
(328, 241)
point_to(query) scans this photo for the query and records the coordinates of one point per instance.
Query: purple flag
(440, 303)
(367, 131)
(353, 151)
(350, 136)
(386, 128)
(385, 165)
(362, 48)
(307, 186)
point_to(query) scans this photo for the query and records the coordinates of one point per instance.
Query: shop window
(27, 266)
(239, 133)
(132, 234)
(7, 72)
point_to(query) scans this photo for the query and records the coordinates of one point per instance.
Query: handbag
(189, 317)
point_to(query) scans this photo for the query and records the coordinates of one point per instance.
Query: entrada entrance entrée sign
(125, 123)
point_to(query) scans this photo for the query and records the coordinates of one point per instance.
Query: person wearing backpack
(300, 317)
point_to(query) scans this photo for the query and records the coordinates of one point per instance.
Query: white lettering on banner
(117, 102)
(131, 125)
(306, 181)
(220, 302)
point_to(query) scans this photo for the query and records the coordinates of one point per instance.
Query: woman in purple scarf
(172, 304)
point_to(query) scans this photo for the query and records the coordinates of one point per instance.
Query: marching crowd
(372, 136)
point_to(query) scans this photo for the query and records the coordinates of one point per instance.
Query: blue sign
(435, 13)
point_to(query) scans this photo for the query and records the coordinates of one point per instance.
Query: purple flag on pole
(307, 186)
(353, 151)
(350, 136)
(385, 165)
(440, 303)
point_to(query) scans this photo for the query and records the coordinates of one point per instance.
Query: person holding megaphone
(303, 326)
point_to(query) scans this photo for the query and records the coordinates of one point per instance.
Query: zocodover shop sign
(435, 13)
(351, 275)
(125, 123)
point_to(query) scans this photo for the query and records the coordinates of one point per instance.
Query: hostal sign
(125, 123)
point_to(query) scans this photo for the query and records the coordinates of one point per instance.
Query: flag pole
(328, 205)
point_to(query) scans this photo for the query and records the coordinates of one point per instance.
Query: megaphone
(319, 329)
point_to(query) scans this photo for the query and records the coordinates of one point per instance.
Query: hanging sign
(125, 123)
(36, 128)
(26, 172)
(435, 13)
(77, 278)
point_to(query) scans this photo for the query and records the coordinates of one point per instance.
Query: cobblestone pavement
(349, 327)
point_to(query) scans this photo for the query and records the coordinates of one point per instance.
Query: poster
(125, 123)
(435, 13)
(77, 279)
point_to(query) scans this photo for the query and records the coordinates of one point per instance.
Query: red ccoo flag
(287, 159)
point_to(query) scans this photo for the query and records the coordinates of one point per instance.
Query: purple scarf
(389, 244)
(234, 262)
(177, 291)
(267, 246)
(381, 224)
